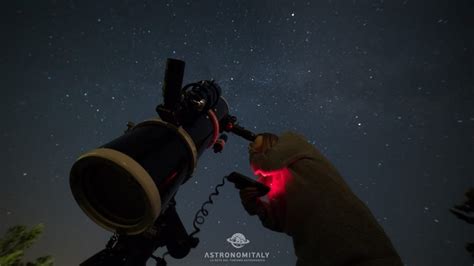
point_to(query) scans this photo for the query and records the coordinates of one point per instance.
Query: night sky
(385, 89)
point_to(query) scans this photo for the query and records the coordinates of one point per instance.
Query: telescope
(128, 185)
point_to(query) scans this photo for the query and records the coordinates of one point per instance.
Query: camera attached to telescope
(127, 185)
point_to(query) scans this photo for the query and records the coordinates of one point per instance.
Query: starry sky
(385, 89)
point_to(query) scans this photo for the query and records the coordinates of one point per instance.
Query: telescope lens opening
(114, 193)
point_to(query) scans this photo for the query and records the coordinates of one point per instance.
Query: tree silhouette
(14, 243)
(465, 212)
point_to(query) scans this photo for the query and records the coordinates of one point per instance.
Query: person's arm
(255, 206)
(268, 216)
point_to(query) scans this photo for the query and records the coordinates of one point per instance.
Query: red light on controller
(275, 179)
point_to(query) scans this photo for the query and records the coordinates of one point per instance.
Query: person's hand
(250, 200)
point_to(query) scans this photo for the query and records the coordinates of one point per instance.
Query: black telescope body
(125, 184)
(128, 185)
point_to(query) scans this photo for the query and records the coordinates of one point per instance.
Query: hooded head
(271, 156)
(263, 142)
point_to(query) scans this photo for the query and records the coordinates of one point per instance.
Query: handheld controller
(241, 181)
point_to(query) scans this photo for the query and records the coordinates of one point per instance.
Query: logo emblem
(238, 240)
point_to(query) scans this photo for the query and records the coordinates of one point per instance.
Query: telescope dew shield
(125, 184)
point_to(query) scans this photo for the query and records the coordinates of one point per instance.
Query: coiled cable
(202, 213)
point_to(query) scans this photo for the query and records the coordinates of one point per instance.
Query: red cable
(215, 126)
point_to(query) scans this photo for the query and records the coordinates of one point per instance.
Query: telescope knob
(220, 143)
(130, 125)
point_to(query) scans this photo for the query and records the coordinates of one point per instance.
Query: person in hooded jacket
(310, 201)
